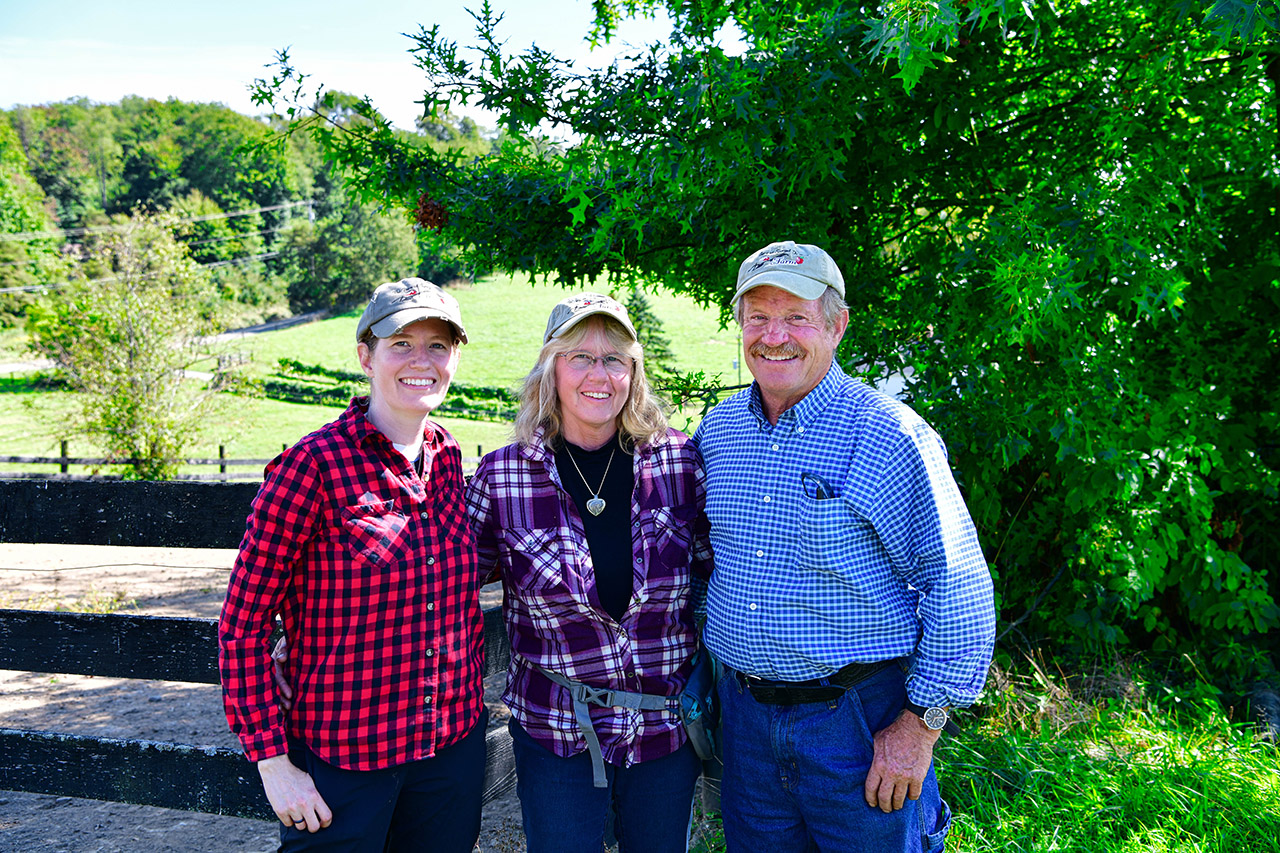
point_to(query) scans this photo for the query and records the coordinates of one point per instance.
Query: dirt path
(150, 581)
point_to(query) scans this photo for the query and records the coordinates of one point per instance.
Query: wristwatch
(934, 717)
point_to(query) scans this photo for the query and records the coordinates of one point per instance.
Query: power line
(27, 236)
(36, 288)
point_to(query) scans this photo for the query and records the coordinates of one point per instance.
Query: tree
(124, 331)
(338, 261)
(1041, 218)
(28, 248)
(659, 360)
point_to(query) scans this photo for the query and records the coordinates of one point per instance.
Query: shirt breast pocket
(376, 533)
(829, 536)
(537, 561)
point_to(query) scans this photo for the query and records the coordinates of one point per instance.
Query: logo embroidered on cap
(783, 258)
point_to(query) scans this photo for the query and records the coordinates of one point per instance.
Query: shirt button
(767, 498)
(424, 515)
(775, 447)
(759, 553)
(799, 429)
(431, 605)
(430, 652)
(431, 561)
(427, 701)
(751, 606)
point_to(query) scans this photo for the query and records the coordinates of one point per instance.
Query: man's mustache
(784, 351)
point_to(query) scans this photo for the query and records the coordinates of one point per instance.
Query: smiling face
(591, 399)
(787, 345)
(409, 373)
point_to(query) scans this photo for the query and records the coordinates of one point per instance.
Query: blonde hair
(641, 420)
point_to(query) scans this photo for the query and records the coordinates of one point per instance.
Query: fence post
(222, 460)
(63, 466)
(479, 452)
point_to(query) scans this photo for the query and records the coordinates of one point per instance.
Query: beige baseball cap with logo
(396, 304)
(573, 310)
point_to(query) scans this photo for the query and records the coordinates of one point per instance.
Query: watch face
(935, 718)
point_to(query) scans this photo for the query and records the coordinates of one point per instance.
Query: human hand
(293, 795)
(903, 751)
(280, 657)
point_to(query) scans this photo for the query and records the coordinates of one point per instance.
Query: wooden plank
(499, 764)
(169, 648)
(170, 775)
(114, 645)
(149, 773)
(497, 648)
(177, 514)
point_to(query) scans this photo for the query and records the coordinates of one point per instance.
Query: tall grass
(1100, 767)
(1125, 780)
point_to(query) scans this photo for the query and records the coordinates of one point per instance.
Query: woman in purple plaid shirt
(594, 521)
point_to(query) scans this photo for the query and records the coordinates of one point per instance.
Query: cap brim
(388, 326)
(797, 285)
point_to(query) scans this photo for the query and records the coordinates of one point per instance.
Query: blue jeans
(652, 802)
(432, 805)
(794, 775)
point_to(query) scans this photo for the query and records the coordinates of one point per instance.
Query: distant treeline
(265, 215)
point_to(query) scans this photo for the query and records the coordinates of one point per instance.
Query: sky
(54, 50)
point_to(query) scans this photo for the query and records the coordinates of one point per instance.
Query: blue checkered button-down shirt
(888, 566)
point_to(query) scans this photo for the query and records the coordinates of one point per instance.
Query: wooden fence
(64, 460)
(171, 775)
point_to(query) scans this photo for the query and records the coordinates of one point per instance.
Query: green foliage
(25, 261)
(132, 320)
(1058, 221)
(337, 261)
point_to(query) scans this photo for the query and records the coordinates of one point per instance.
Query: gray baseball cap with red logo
(798, 268)
(396, 304)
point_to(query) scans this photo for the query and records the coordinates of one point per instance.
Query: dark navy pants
(652, 802)
(427, 806)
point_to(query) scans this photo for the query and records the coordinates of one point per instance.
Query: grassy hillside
(505, 319)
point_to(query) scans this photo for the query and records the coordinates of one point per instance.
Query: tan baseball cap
(396, 304)
(798, 268)
(573, 310)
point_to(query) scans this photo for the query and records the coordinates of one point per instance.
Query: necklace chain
(596, 505)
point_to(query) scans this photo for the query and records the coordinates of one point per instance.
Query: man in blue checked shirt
(851, 603)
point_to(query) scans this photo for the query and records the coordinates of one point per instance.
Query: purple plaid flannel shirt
(529, 532)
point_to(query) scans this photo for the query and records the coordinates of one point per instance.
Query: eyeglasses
(816, 487)
(580, 361)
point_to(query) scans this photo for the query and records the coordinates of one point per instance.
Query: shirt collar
(804, 412)
(355, 422)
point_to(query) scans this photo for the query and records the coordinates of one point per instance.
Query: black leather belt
(813, 690)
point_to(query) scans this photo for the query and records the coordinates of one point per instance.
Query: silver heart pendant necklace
(595, 505)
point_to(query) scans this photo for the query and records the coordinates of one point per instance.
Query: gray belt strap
(583, 694)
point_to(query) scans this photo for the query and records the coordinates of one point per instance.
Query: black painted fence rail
(181, 514)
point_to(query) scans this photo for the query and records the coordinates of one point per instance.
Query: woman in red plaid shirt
(358, 540)
(593, 519)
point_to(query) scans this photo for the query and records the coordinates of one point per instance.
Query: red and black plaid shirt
(373, 572)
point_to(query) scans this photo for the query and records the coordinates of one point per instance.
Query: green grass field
(505, 319)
